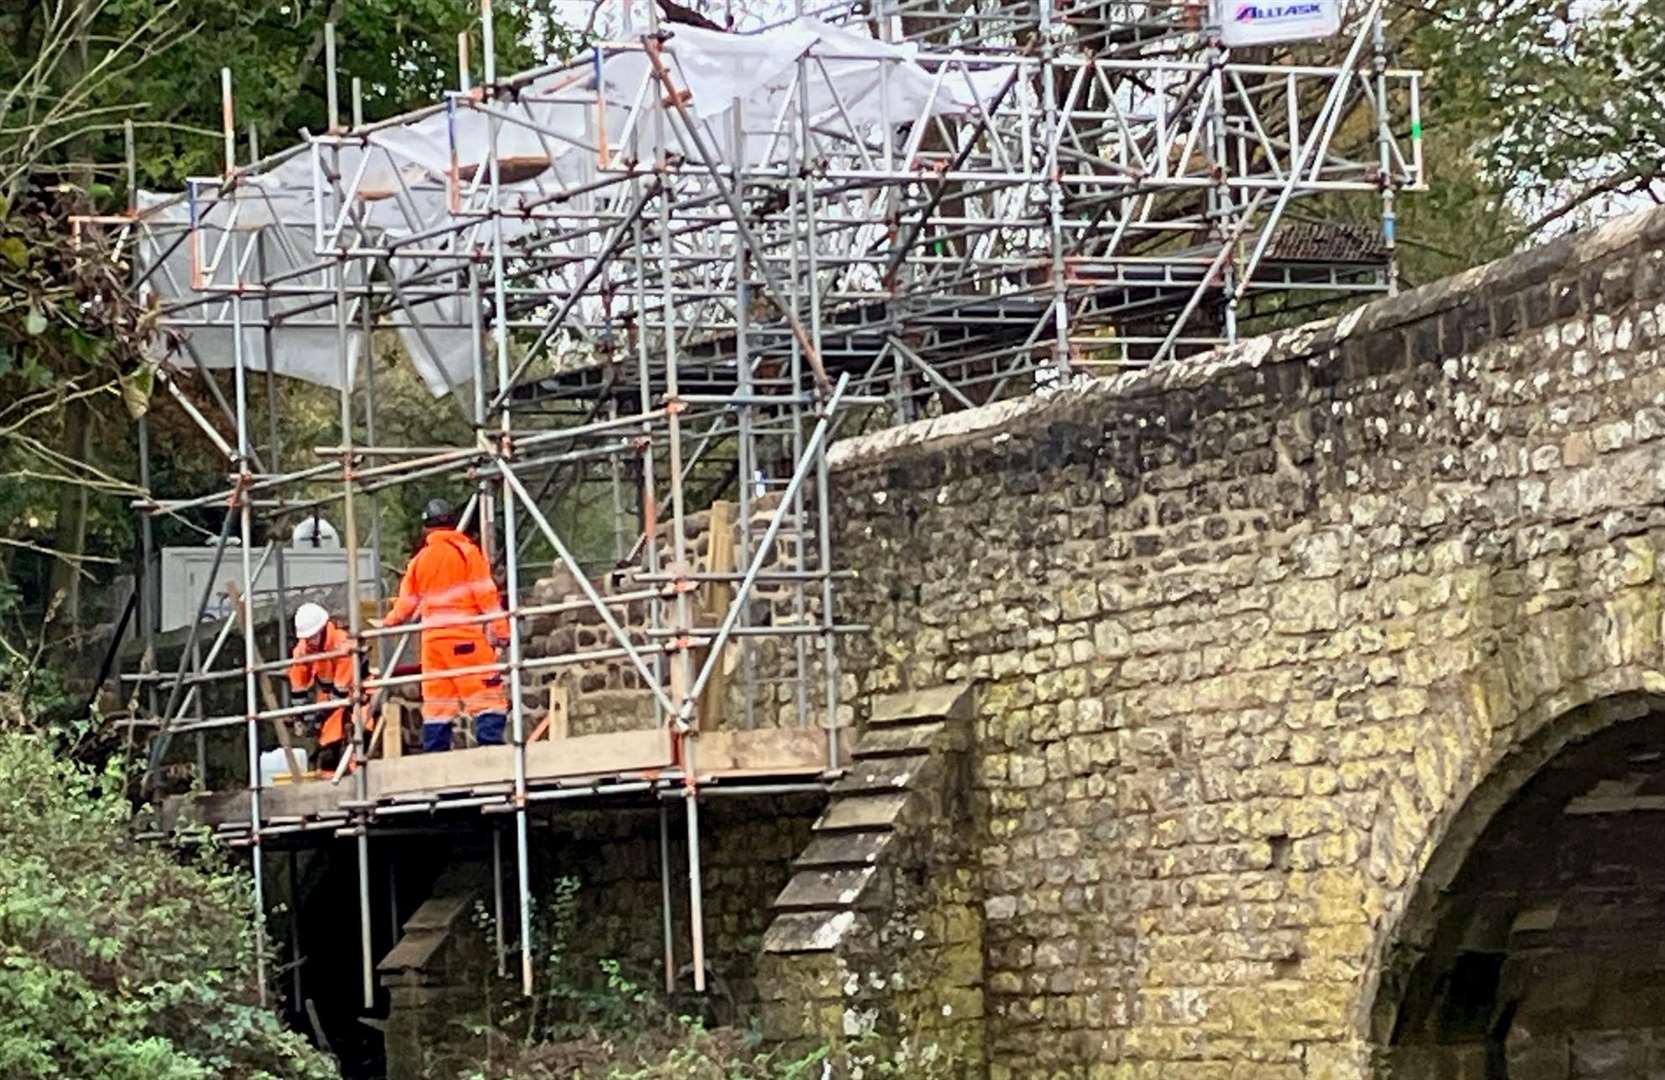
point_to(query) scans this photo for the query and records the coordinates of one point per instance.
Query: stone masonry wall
(609, 695)
(1256, 634)
(879, 935)
(747, 845)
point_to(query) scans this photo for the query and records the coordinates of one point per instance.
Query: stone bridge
(1295, 713)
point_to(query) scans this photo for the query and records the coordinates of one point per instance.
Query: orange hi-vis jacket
(328, 678)
(449, 582)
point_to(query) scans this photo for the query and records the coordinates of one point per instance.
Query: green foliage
(118, 960)
(72, 348)
(65, 340)
(1567, 102)
(671, 1047)
(33, 694)
(611, 1028)
(164, 74)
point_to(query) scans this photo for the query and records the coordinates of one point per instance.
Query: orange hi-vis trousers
(446, 696)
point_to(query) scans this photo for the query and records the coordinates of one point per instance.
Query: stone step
(941, 703)
(807, 931)
(828, 851)
(444, 913)
(828, 890)
(880, 775)
(896, 741)
(858, 813)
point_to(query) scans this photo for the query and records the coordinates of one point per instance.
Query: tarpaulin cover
(744, 92)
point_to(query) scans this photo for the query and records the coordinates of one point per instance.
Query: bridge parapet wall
(1248, 632)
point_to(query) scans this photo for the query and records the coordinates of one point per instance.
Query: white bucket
(273, 764)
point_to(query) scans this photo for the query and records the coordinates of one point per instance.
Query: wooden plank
(761, 751)
(587, 755)
(798, 773)
(718, 596)
(583, 755)
(308, 798)
(425, 772)
(554, 724)
(210, 808)
(393, 720)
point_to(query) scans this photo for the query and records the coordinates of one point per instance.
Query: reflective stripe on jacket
(448, 582)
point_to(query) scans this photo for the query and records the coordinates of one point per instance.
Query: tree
(121, 960)
(157, 63)
(1568, 99)
(69, 354)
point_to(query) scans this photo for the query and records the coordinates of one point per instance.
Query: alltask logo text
(1256, 12)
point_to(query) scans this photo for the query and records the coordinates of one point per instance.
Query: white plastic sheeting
(391, 193)
(238, 240)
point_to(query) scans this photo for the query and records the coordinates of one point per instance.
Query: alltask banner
(1258, 22)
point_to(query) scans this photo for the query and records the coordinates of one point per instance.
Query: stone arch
(1548, 737)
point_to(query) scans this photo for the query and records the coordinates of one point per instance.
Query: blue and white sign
(1260, 22)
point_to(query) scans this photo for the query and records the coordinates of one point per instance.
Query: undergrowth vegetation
(589, 1020)
(119, 959)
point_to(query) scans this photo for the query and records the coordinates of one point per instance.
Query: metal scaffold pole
(347, 376)
(505, 460)
(245, 526)
(1385, 151)
(683, 262)
(498, 948)
(1052, 130)
(667, 932)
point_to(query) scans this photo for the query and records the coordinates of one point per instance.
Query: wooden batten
(717, 596)
(556, 722)
(392, 730)
(584, 755)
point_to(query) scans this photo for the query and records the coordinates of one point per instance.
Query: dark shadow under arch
(1545, 871)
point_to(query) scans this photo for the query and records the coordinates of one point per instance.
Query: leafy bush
(118, 959)
(578, 1026)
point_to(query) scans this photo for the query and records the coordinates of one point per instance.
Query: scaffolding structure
(669, 269)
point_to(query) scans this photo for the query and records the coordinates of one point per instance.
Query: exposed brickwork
(1254, 635)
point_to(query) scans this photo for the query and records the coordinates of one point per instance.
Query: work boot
(436, 736)
(488, 729)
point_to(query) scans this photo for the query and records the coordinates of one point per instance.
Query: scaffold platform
(660, 277)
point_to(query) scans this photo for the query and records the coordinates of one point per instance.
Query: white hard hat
(309, 619)
(314, 532)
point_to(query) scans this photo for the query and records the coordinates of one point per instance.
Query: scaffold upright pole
(251, 702)
(504, 452)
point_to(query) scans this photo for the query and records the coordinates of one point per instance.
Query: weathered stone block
(1251, 657)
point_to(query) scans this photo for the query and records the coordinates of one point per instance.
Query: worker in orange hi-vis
(328, 677)
(449, 584)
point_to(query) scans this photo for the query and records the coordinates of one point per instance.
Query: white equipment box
(185, 573)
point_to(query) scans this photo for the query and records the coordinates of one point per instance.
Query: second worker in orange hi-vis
(329, 678)
(448, 584)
